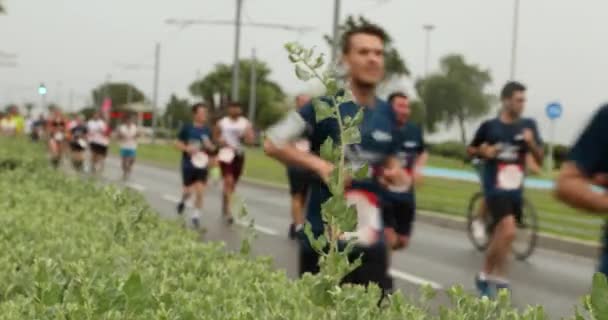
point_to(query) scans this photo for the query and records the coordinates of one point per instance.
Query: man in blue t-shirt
(588, 164)
(194, 141)
(399, 208)
(363, 55)
(504, 142)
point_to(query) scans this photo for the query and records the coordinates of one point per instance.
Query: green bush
(72, 249)
(449, 149)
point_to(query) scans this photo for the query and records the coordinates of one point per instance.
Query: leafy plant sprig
(337, 215)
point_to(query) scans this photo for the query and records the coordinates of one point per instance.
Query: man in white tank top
(230, 133)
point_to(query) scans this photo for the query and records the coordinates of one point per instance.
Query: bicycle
(527, 227)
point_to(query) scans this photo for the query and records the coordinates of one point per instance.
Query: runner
(99, 140)
(194, 141)
(503, 143)
(127, 135)
(38, 128)
(363, 56)
(588, 164)
(12, 123)
(77, 130)
(299, 181)
(230, 133)
(400, 207)
(56, 130)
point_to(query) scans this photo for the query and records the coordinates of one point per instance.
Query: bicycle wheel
(472, 215)
(527, 232)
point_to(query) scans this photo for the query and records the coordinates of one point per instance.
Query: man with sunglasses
(504, 143)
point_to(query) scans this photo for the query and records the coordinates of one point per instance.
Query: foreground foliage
(74, 250)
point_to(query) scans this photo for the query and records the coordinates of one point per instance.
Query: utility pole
(237, 43)
(427, 55)
(155, 91)
(252, 87)
(336, 30)
(515, 38)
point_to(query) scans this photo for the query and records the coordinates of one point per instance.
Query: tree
(2, 10)
(269, 95)
(394, 64)
(455, 94)
(120, 93)
(177, 111)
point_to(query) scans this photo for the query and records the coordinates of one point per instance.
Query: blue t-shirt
(377, 142)
(410, 146)
(192, 135)
(504, 175)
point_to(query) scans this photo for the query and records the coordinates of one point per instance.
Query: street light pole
(237, 44)
(155, 92)
(515, 38)
(427, 55)
(252, 87)
(336, 30)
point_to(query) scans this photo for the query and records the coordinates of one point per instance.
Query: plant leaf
(322, 110)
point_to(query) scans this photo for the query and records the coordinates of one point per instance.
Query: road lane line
(171, 198)
(136, 186)
(414, 279)
(259, 228)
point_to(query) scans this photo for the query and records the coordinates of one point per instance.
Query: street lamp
(428, 29)
(42, 91)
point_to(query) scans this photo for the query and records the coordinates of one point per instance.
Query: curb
(586, 249)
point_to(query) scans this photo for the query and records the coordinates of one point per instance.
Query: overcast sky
(71, 45)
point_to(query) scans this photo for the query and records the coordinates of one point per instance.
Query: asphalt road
(437, 256)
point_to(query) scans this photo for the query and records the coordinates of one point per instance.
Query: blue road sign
(554, 110)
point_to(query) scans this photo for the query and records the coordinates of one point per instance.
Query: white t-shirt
(233, 131)
(128, 136)
(97, 132)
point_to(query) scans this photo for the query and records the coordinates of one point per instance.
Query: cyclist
(299, 180)
(230, 133)
(127, 135)
(56, 130)
(99, 140)
(503, 143)
(194, 141)
(77, 130)
(588, 163)
(363, 56)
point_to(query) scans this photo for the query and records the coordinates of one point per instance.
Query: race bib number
(58, 136)
(302, 145)
(510, 176)
(226, 155)
(369, 223)
(200, 160)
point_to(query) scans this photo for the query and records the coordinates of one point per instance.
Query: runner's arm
(574, 188)
(278, 142)
(587, 161)
(217, 135)
(182, 141)
(249, 136)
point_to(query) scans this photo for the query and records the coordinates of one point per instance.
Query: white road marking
(171, 198)
(393, 272)
(136, 186)
(259, 228)
(414, 279)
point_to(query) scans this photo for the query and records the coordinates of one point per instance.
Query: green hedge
(72, 249)
(449, 149)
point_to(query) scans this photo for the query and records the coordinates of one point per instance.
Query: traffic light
(42, 89)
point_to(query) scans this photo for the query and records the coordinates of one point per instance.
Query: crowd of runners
(508, 147)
